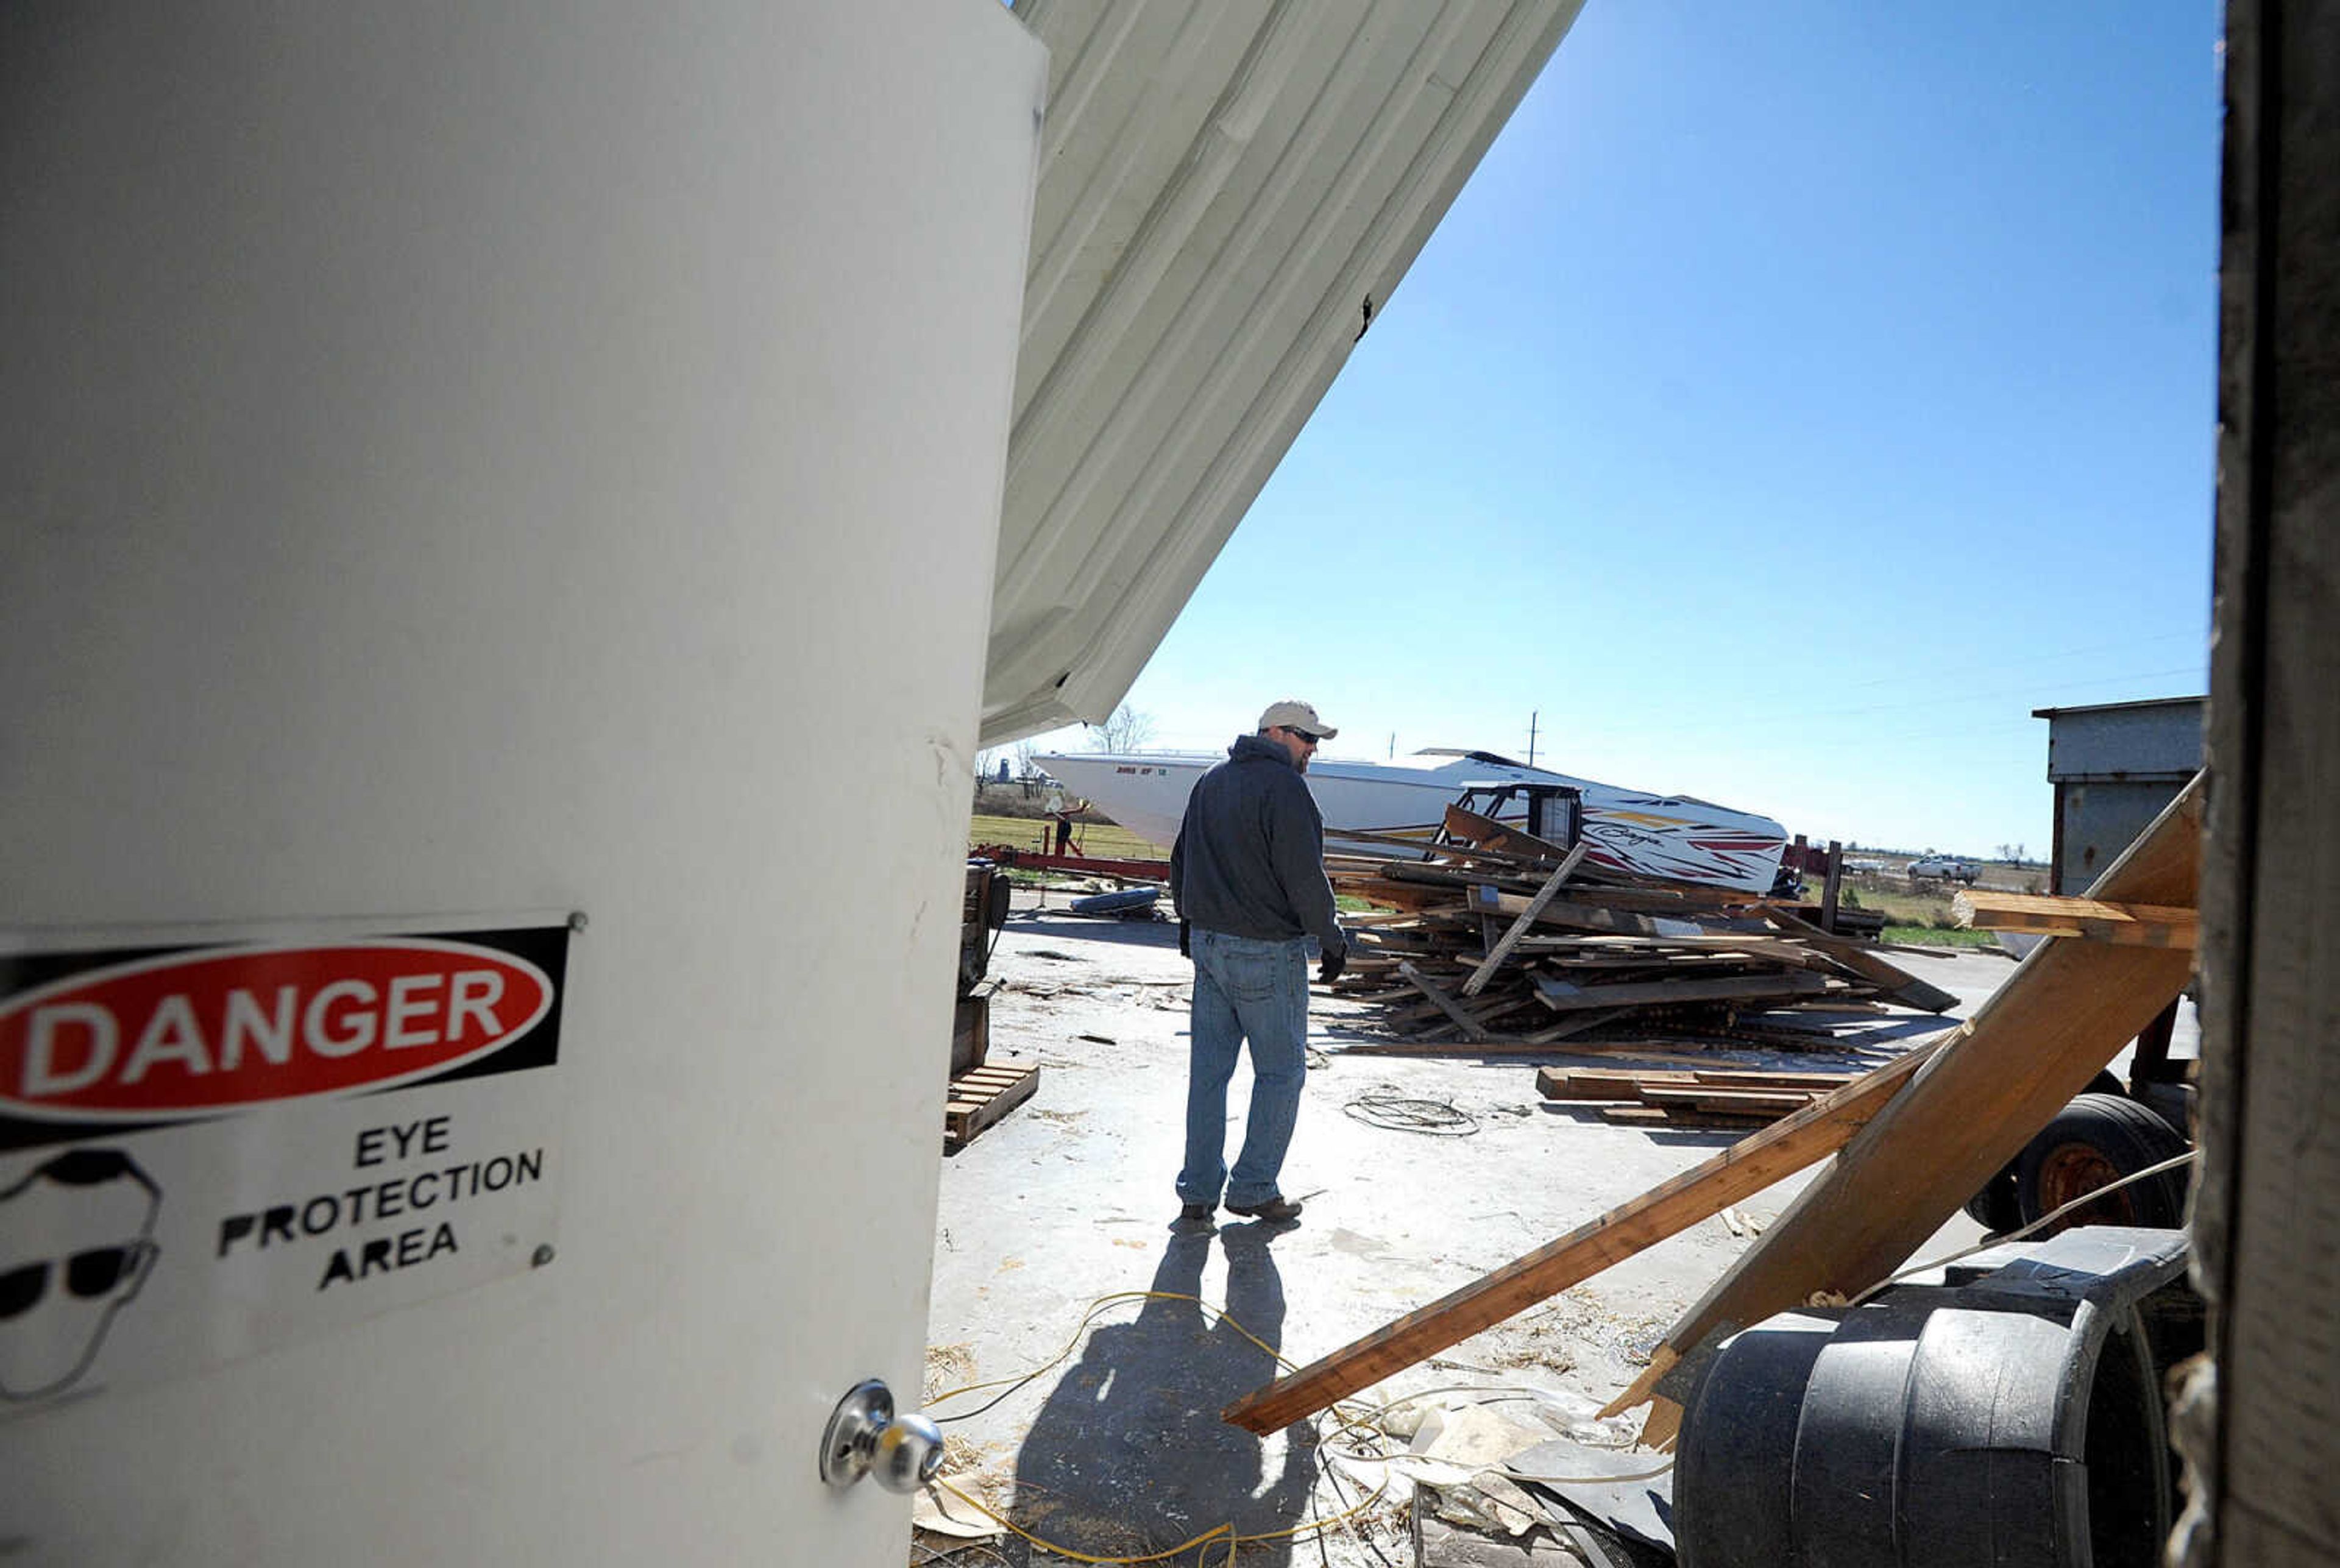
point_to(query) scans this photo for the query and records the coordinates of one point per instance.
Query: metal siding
(1221, 189)
(2097, 821)
(2159, 739)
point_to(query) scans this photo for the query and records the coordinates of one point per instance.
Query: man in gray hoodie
(1248, 877)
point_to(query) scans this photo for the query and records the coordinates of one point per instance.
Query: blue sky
(1797, 396)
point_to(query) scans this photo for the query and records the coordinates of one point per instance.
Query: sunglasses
(1304, 735)
(87, 1273)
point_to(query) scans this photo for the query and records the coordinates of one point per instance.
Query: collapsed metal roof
(1225, 192)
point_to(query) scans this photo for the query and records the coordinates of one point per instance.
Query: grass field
(1938, 937)
(1102, 839)
(1919, 916)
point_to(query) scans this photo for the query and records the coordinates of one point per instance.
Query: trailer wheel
(1996, 1208)
(2098, 1139)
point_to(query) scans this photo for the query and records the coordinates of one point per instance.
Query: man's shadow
(1129, 1456)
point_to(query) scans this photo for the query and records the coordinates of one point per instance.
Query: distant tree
(1127, 730)
(1025, 751)
(2020, 855)
(2007, 853)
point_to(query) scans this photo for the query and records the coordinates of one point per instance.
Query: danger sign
(212, 1142)
(208, 1031)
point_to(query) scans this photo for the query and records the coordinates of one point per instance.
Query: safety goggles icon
(87, 1274)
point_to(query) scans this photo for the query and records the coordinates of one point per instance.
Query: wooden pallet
(980, 1097)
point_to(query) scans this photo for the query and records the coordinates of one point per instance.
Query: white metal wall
(483, 457)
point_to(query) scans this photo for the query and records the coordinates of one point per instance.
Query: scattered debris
(947, 1367)
(1502, 941)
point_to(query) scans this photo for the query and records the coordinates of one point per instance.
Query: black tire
(1996, 1208)
(2096, 1139)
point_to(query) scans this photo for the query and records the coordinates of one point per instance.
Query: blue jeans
(1244, 988)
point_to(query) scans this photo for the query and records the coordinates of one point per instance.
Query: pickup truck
(1944, 867)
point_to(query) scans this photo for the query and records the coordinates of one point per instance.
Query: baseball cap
(1294, 715)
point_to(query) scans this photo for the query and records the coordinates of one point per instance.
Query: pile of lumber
(1912, 1141)
(1498, 939)
(1702, 1097)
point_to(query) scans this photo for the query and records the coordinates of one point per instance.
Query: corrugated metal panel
(2112, 741)
(1222, 188)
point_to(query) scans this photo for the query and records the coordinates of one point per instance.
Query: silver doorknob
(865, 1437)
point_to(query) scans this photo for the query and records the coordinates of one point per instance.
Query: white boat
(1671, 836)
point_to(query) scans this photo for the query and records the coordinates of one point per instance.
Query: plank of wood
(1627, 1082)
(1489, 834)
(980, 1097)
(1660, 897)
(1562, 996)
(1773, 946)
(1830, 887)
(1739, 1172)
(1680, 1117)
(1579, 912)
(1822, 1082)
(1895, 982)
(1575, 1023)
(2095, 920)
(1471, 1027)
(1491, 1045)
(2039, 1039)
(1519, 923)
(1711, 1097)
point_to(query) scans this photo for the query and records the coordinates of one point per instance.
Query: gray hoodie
(1250, 856)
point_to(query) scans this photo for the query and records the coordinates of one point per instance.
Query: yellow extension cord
(1226, 1531)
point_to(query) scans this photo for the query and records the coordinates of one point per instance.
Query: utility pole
(1531, 733)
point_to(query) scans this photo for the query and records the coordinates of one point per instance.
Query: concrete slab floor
(1118, 1450)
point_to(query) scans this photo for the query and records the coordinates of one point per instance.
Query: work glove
(1184, 931)
(1335, 961)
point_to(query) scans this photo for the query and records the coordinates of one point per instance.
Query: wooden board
(1739, 1172)
(1520, 924)
(980, 1097)
(1445, 1003)
(1490, 834)
(2094, 920)
(1895, 981)
(1740, 1102)
(1678, 1116)
(1626, 1084)
(971, 1030)
(1562, 995)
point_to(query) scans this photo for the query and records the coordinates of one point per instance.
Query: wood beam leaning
(1519, 925)
(1740, 1171)
(2062, 1016)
